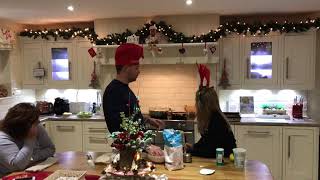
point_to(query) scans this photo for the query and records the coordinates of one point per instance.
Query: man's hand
(188, 147)
(155, 150)
(155, 122)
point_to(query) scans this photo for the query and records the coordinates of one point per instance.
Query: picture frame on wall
(246, 105)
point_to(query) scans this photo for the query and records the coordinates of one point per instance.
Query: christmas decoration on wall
(152, 40)
(69, 33)
(6, 36)
(182, 50)
(94, 82)
(133, 39)
(240, 28)
(224, 80)
(205, 50)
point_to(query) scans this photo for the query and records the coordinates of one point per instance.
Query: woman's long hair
(19, 120)
(207, 103)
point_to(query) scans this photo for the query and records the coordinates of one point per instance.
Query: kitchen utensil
(44, 107)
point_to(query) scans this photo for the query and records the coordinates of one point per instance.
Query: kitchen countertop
(244, 121)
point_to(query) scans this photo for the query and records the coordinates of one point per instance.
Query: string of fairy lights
(240, 28)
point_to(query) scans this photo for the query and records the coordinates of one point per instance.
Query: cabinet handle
(70, 70)
(289, 148)
(287, 68)
(65, 128)
(248, 68)
(95, 139)
(266, 133)
(103, 130)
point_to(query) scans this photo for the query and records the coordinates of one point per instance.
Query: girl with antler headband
(212, 123)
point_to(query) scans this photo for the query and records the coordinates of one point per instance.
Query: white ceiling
(52, 11)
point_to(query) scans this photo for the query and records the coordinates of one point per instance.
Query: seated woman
(22, 139)
(213, 126)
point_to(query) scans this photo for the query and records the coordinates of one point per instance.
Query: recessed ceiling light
(188, 2)
(70, 8)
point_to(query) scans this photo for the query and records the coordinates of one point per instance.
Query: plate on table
(205, 171)
(66, 174)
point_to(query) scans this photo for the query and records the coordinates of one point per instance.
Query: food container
(187, 158)
(159, 113)
(179, 115)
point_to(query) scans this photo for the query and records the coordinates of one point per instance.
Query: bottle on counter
(94, 108)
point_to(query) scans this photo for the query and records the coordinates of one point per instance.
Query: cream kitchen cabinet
(259, 61)
(62, 65)
(66, 63)
(32, 54)
(300, 153)
(66, 135)
(298, 65)
(85, 64)
(95, 137)
(262, 143)
(230, 55)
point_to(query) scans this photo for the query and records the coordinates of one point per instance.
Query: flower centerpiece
(130, 140)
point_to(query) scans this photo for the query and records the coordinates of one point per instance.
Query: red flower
(140, 134)
(122, 135)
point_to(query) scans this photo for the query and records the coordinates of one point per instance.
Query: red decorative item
(94, 83)
(92, 52)
(224, 80)
(204, 73)
(182, 50)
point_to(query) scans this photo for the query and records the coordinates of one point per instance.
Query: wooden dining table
(253, 170)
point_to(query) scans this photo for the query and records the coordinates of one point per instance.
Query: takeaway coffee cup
(239, 157)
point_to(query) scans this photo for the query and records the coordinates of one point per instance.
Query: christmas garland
(174, 36)
(88, 33)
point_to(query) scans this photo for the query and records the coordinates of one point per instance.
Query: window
(261, 60)
(60, 64)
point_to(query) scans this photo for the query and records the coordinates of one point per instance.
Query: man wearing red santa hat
(118, 97)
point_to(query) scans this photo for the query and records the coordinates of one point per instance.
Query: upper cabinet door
(260, 57)
(85, 64)
(32, 57)
(230, 57)
(60, 57)
(299, 61)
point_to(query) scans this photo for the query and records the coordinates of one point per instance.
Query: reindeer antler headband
(204, 73)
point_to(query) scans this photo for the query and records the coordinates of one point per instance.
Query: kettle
(60, 106)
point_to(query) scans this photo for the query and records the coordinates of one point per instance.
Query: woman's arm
(15, 159)
(44, 147)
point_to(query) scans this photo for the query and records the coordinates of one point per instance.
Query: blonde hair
(207, 103)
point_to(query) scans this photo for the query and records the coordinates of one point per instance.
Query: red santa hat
(128, 54)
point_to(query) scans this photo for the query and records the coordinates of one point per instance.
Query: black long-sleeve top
(118, 97)
(218, 135)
